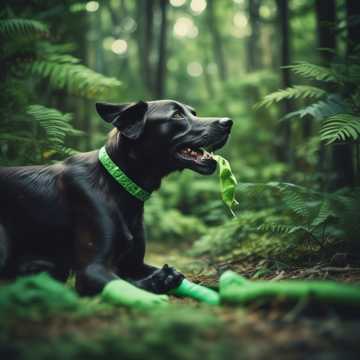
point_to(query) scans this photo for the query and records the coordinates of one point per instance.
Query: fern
(313, 72)
(56, 125)
(322, 109)
(306, 209)
(41, 131)
(297, 202)
(340, 127)
(65, 72)
(295, 92)
(275, 228)
(22, 27)
(324, 214)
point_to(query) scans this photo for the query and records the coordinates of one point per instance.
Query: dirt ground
(279, 331)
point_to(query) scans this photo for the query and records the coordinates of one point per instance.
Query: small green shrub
(170, 225)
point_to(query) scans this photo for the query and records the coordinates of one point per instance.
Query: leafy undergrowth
(52, 322)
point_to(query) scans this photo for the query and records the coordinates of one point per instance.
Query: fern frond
(322, 109)
(281, 228)
(253, 189)
(325, 212)
(313, 72)
(275, 228)
(22, 27)
(65, 72)
(295, 92)
(297, 202)
(340, 127)
(56, 126)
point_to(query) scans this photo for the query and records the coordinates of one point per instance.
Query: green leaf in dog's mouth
(227, 182)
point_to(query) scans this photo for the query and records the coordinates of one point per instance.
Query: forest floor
(189, 330)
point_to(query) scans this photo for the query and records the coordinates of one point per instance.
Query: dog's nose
(226, 122)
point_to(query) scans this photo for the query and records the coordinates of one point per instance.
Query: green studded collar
(121, 177)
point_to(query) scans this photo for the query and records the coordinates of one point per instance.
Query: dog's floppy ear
(109, 112)
(128, 118)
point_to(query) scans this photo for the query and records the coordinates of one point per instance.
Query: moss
(177, 332)
(36, 296)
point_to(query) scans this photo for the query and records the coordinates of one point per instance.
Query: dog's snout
(226, 122)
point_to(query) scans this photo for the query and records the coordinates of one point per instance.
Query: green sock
(120, 292)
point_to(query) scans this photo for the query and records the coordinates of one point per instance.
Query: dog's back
(31, 209)
(22, 187)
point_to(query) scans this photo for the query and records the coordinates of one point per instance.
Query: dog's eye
(178, 115)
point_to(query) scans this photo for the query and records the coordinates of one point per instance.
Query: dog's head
(168, 133)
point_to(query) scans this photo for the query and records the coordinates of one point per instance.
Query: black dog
(75, 216)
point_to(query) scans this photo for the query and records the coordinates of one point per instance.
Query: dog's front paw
(163, 280)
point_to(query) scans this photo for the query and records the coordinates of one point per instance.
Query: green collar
(121, 177)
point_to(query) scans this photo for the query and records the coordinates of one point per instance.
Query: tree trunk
(325, 11)
(343, 154)
(161, 70)
(353, 13)
(284, 151)
(253, 48)
(147, 43)
(217, 42)
(325, 21)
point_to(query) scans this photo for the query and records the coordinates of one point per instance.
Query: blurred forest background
(286, 71)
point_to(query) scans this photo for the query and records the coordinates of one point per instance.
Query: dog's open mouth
(200, 154)
(200, 158)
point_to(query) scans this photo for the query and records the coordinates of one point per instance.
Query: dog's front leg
(94, 233)
(133, 269)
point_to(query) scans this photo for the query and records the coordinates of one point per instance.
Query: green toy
(227, 182)
(235, 289)
(197, 292)
(120, 292)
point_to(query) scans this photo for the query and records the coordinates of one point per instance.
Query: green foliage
(312, 216)
(239, 237)
(181, 333)
(169, 225)
(340, 127)
(64, 72)
(33, 62)
(36, 296)
(338, 113)
(295, 92)
(282, 218)
(22, 27)
(322, 109)
(313, 72)
(56, 125)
